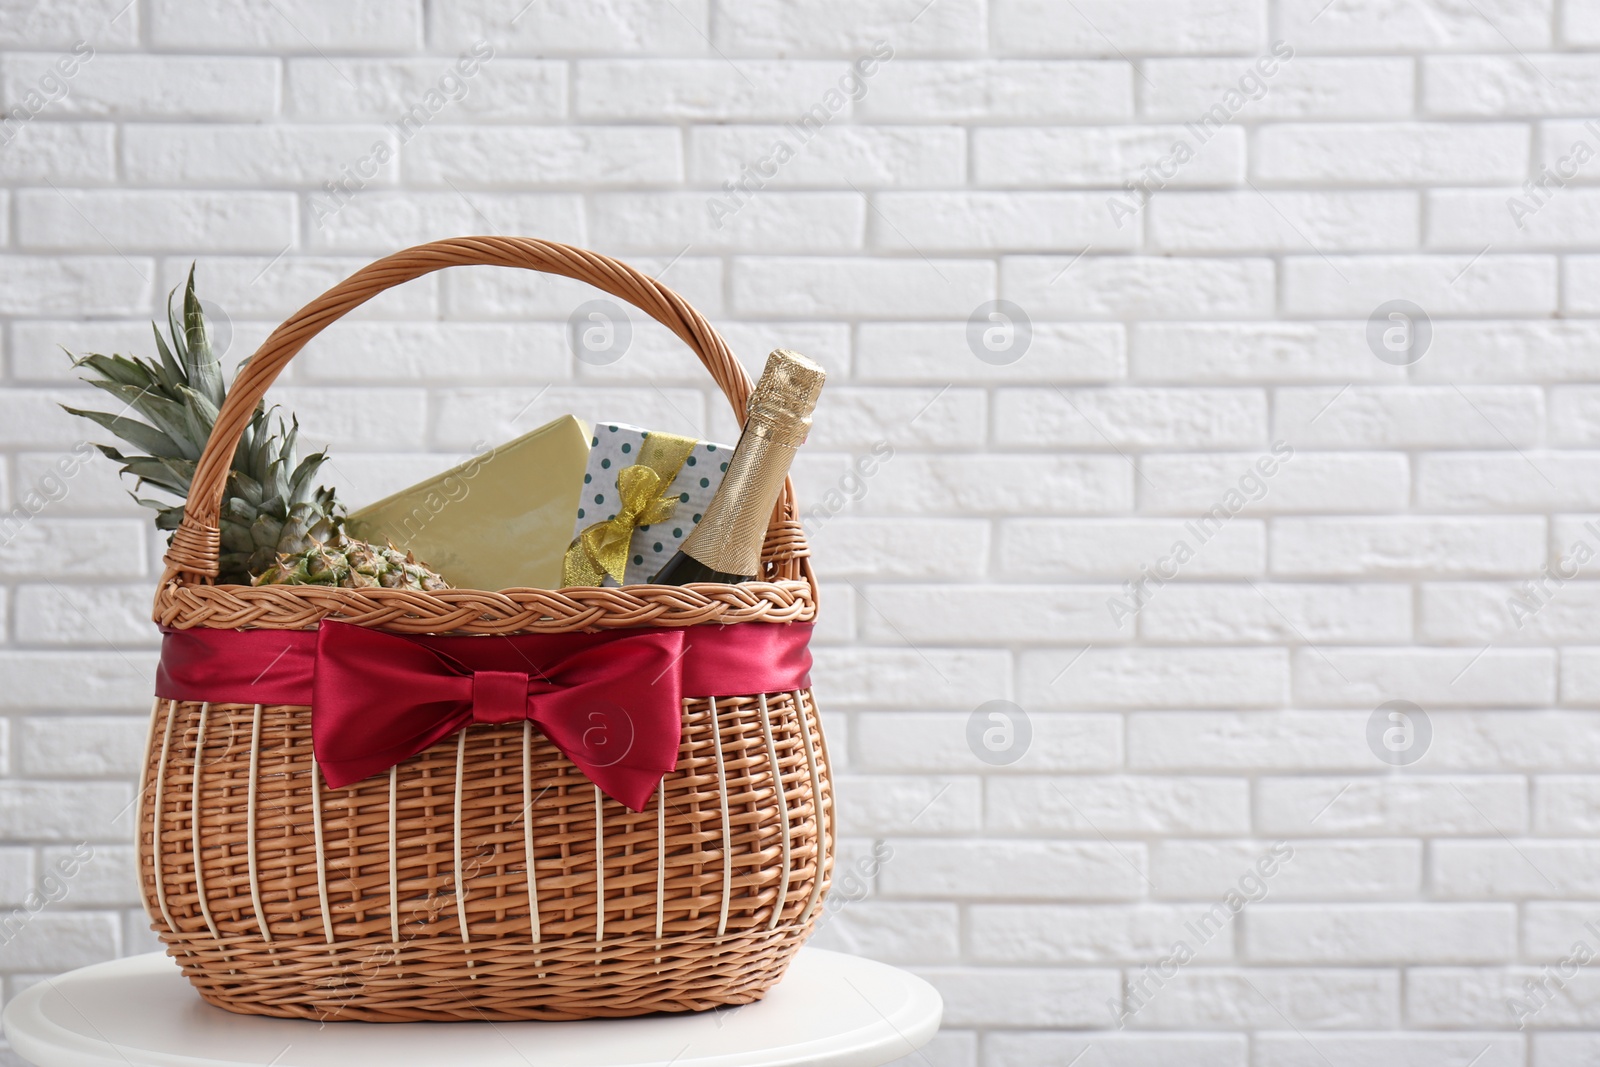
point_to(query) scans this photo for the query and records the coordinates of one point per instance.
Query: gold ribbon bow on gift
(602, 549)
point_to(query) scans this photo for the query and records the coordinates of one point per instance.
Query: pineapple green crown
(277, 527)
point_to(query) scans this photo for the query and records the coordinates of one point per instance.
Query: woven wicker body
(487, 878)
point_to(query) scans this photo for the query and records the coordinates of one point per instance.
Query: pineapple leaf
(133, 431)
(261, 444)
(245, 489)
(300, 480)
(165, 413)
(199, 412)
(175, 333)
(168, 516)
(290, 437)
(121, 369)
(278, 483)
(205, 371)
(173, 476)
(171, 372)
(236, 538)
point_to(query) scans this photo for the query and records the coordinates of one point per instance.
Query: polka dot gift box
(655, 484)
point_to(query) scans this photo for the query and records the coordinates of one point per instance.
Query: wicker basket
(486, 878)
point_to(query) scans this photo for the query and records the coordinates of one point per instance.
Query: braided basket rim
(180, 606)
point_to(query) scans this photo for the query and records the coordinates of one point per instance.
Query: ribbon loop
(499, 696)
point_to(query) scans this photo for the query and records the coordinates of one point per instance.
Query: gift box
(644, 489)
(499, 520)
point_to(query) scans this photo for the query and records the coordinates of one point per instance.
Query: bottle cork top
(787, 390)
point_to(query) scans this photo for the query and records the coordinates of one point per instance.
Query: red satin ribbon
(611, 701)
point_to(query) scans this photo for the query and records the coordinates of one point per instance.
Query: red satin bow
(610, 700)
(611, 703)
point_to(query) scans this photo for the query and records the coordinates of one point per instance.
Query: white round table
(830, 1009)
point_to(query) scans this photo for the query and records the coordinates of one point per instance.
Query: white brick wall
(1178, 329)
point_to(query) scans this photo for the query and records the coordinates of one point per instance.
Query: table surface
(830, 1009)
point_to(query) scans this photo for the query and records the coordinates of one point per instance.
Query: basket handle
(196, 544)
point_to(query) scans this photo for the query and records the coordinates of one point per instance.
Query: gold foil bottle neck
(777, 418)
(786, 394)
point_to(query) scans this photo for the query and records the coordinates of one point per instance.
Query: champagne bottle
(726, 546)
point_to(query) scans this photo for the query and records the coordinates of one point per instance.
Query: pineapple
(277, 529)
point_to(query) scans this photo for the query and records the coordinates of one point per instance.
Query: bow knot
(601, 549)
(499, 696)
